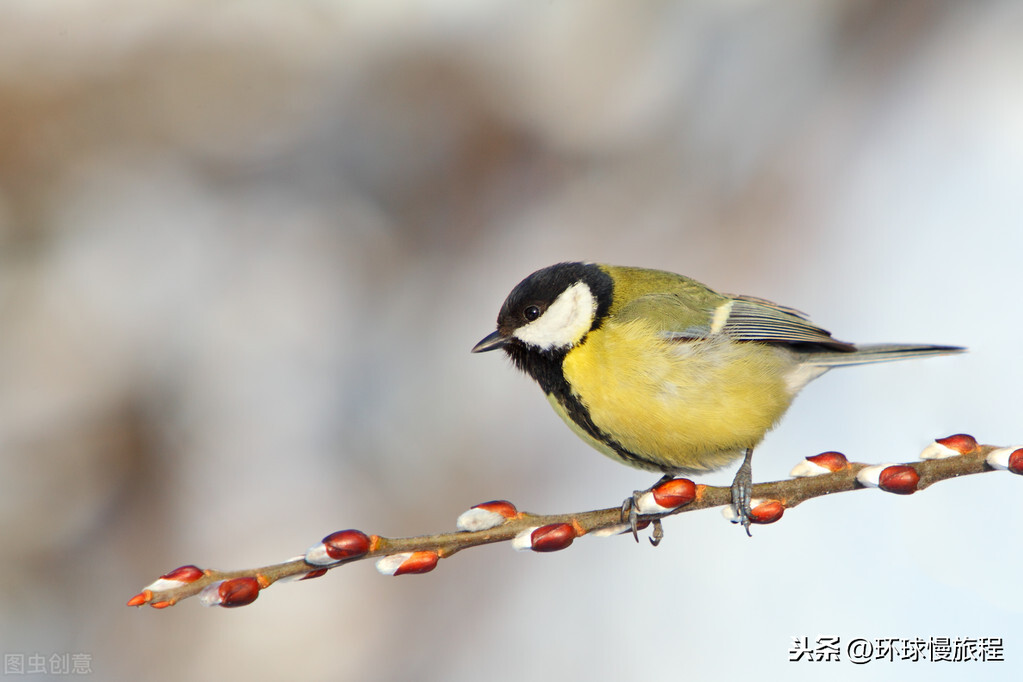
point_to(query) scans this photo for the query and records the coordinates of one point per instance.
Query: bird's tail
(880, 352)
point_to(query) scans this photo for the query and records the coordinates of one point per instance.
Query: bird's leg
(630, 513)
(742, 490)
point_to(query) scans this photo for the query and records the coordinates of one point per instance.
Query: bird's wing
(744, 318)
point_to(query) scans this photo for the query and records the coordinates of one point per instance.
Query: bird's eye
(531, 312)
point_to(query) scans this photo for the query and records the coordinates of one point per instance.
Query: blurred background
(245, 248)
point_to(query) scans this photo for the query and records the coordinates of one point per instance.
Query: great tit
(659, 372)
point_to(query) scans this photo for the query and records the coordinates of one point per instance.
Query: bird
(661, 373)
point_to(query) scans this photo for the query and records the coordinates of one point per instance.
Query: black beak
(491, 342)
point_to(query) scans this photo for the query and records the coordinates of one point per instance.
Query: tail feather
(880, 352)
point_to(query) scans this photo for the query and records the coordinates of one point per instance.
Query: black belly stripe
(546, 369)
(581, 416)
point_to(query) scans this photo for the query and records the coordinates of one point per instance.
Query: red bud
(1016, 461)
(832, 461)
(674, 493)
(552, 537)
(766, 512)
(419, 562)
(238, 591)
(899, 479)
(961, 442)
(346, 544)
(184, 574)
(502, 507)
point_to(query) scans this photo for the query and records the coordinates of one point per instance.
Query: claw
(630, 514)
(742, 491)
(658, 533)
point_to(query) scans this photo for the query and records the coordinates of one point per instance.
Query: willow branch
(500, 521)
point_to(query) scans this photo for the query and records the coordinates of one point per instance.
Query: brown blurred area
(246, 246)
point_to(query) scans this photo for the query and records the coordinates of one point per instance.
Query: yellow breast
(684, 406)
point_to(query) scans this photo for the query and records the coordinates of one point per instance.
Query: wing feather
(743, 318)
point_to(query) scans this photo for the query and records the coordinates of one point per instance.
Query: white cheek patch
(565, 322)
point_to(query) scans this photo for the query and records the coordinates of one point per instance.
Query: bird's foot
(742, 491)
(630, 512)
